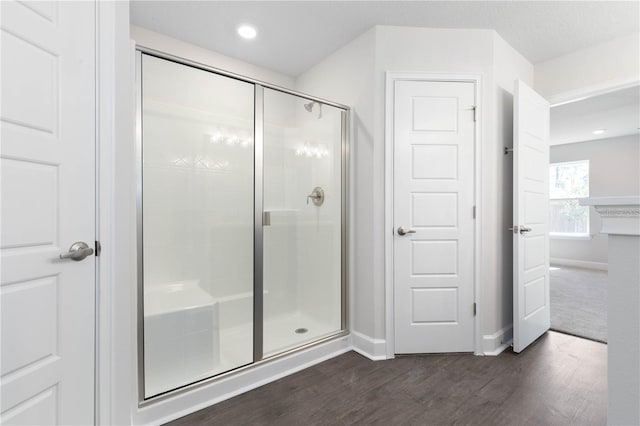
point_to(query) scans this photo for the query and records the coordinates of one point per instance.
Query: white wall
(355, 75)
(425, 50)
(613, 170)
(346, 76)
(605, 65)
(147, 38)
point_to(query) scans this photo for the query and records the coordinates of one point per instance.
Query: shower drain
(301, 330)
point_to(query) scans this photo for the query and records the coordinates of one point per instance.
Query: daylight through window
(568, 182)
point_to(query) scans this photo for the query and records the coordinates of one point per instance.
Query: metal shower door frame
(258, 231)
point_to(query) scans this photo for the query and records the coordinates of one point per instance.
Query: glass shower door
(197, 223)
(302, 224)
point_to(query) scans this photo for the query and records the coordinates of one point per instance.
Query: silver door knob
(521, 229)
(78, 251)
(405, 231)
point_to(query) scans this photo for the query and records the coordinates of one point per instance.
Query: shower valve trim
(317, 196)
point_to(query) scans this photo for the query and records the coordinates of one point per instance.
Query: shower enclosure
(241, 222)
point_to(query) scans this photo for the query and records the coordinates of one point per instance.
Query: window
(568, 182)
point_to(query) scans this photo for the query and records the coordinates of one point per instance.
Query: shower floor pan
(279, 336)
(235, 348)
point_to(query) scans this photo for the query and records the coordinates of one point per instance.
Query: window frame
(572, 235)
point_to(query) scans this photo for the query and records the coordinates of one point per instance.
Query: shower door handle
(405, 231)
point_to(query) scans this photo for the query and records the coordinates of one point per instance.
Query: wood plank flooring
(559, 380)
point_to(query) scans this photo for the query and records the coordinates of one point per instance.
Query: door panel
(48, 197)
(433, 196)
(531, 314)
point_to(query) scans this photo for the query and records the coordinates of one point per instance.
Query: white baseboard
(600, 266)
(374, 349)
(171, 408)
(494, 344)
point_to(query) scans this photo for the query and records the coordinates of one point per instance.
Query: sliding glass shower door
(197, 223)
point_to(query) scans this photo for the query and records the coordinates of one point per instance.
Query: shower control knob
(317, 196)
(404, 231)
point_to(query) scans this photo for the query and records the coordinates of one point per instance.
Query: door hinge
(475, 309)
(475, 109)
(98, 248)
(474, 212)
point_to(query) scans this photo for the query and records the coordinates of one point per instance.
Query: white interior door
(531, 313)
(48, 197)
(433, 134)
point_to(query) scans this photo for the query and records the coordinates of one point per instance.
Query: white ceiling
(617, 112)
(295, 35)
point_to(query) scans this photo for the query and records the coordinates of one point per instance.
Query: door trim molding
(391, 78)
(104, 215)
(114, 136)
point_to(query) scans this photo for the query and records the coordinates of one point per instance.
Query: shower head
(309, 107)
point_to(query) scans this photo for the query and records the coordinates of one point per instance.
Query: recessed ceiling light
(598, 131)
(247, 32)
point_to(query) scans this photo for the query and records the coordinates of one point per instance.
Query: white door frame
(114, 356)
(391, 78)
(104, 152)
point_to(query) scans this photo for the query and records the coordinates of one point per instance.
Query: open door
(531, 313)
(48, 197)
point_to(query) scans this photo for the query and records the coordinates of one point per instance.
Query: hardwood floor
(559, 380)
